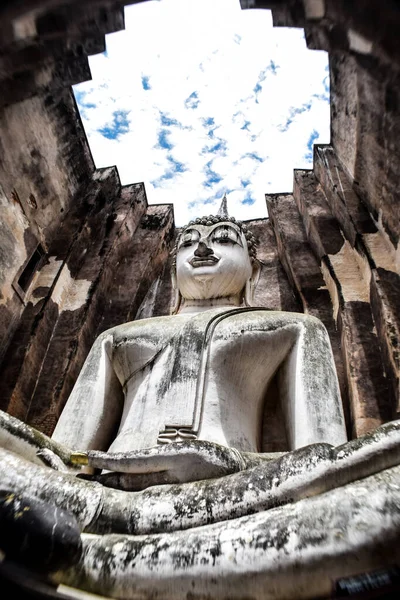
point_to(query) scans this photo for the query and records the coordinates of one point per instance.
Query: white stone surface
(129, 382)
(338, 515)
(212, 262)
(293, 552)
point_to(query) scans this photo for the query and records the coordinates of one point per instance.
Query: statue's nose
(202, 250)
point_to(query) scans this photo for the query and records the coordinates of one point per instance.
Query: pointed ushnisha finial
(223, 209)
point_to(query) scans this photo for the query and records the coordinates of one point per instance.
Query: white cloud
(190, 75)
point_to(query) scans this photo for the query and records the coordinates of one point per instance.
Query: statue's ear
(176, 297)
(251, 283)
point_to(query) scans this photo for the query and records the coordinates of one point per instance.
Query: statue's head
(215, 257)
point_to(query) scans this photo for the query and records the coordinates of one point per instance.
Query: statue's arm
(93, 411)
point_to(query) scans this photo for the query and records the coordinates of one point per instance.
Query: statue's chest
(172, 375)
(182, 343)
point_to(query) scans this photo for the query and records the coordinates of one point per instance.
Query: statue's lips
(203, 261)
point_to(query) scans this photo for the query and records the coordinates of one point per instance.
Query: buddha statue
(203, 373)
(156, 466)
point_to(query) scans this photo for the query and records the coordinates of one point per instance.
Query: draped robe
(204, 376)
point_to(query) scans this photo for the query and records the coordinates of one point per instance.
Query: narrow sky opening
(197, 98)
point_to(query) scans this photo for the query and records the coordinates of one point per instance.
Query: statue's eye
(225, 235)
(189, 238)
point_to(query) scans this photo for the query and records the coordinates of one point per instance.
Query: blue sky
(197, 98)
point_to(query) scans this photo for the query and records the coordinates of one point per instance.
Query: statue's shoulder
(257, 317)
(153, 327)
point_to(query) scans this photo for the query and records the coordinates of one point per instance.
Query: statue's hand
(52, 460)
(31, 444)
(180, 462)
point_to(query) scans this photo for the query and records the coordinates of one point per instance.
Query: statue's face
(212, 261)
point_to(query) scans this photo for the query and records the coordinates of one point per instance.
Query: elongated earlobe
(176, 297)
(251, 284)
